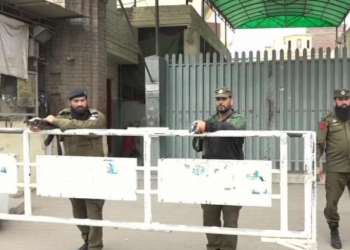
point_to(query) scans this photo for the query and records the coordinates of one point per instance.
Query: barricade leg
(147, 178)
(27, 171)
(310, 185)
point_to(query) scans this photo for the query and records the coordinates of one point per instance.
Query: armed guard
(333, 137)
(80, 116)
(221, 148)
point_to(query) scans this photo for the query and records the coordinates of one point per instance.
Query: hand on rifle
(32, 124)
(200, 125)
(50, 118)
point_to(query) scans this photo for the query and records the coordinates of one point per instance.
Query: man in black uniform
(221, 148)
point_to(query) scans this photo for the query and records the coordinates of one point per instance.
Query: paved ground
(38, 236)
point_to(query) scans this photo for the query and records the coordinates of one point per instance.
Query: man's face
(342, 108)
(342, 102)
(79, 104)
(224, 104)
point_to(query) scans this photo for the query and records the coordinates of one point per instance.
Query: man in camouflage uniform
(221, 148)
(80, 116)
(333, 137)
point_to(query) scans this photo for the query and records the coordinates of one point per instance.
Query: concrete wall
(120, 42)
(203, 29)
(179, 15)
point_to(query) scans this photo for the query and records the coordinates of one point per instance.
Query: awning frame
(20, 15)
(219, 14)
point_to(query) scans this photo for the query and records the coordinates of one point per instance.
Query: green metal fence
(291, 93)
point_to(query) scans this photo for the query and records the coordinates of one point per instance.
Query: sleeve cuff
(207, 126)
(56, 122)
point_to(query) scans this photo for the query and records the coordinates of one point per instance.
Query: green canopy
(253, 14)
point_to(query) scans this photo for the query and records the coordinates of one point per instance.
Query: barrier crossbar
(305, 239)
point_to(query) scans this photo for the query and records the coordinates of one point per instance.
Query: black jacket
(222, 147)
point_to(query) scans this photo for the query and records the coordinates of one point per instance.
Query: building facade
(74, 43)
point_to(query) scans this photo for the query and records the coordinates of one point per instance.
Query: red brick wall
(324, 37)
(84, 40)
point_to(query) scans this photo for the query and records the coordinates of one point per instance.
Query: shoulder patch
(64, 112)
(322, 125)
(94, 115)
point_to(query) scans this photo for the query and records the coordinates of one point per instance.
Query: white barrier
(180, 181)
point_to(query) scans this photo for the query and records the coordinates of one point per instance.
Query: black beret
(78, 92)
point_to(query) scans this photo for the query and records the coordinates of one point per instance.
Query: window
(308, 44)
(289, 45)
(18, 96)
(130, 93)
(205, 48)
(299, 43)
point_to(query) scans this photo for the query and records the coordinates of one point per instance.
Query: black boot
(335, 238)
(84, 247)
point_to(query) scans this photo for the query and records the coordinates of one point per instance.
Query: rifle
(42, 124)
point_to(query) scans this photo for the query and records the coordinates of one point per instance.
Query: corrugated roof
(253, 14)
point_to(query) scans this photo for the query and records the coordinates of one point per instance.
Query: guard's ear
(232, 101)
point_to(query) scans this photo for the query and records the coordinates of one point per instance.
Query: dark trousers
(211, 218)
(335, 186)
(89, 209)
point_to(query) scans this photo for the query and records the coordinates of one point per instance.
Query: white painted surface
(87, 177)
(4, 203)
(220, 182)
(8, 174)
(82, 174)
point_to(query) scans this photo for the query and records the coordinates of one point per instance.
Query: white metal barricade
(196, 181)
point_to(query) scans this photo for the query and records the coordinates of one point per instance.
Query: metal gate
(181, 180)
(278, 91)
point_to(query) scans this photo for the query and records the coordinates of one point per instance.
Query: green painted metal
(253, 14)
(285, 94)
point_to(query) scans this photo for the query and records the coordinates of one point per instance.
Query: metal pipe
(336, 35)
(284, 182)
(216, 24)
(344, 33)
(313, 176)
(27, 173)
(147, 179)
(151, 132)
(225, 34)
(203, 9)
(157, 27)
(307, 184)
(12, 130)
(156, 132)
(156, 226)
